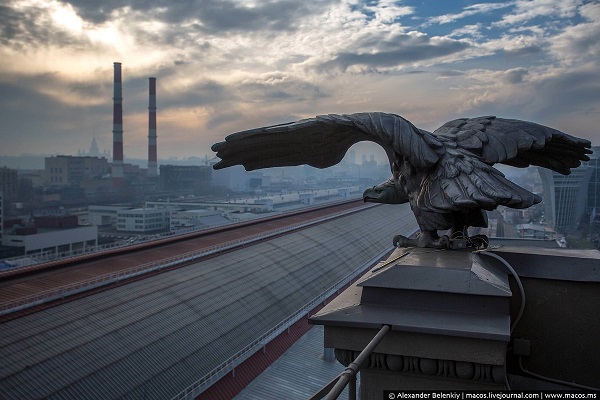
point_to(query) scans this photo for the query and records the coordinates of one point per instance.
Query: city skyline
(233, 65)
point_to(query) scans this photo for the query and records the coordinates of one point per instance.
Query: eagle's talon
(480, 241)
(423, 240)
(402, 241)
(443, 243)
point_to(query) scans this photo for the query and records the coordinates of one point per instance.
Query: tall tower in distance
(117, 164)
(152, 171)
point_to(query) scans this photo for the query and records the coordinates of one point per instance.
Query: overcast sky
(227, 65)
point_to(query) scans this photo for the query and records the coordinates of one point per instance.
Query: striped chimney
(152, 171)
(117, 164)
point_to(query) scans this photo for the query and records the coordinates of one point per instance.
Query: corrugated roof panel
(18, 389)
(156, 336)
(298, 374)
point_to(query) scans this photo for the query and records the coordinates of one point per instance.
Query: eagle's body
(446, 176)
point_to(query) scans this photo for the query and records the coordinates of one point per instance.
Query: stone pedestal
(450, 320)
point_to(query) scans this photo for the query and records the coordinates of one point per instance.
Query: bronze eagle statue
(447, 176)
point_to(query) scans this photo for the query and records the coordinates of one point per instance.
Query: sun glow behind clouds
(63, 15)
(88, 57)
(96, 45)
(108, 35)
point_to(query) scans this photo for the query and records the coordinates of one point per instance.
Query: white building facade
(142, 220)
(55, 241)
(104, 215)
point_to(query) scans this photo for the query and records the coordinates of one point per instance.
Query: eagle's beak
(372, 195)
(386, 193)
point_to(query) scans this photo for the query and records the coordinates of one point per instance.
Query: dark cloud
(450, 73)
(218, 119)
(186, 21)
(232, 118)
(214, 15)
(212, 93)
(26, 27)
(135, 90)
(288, 90)
(403, 49)
(205, 93)
(218, 15)
(226, 100)
(102, 11)
(9, 23)
(93, 89)
(533, 50)
(569, 92)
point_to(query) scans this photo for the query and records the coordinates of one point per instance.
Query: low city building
(535, 231)
(185, 178)
(199, 219)
(104, 215)
(241, 205)
(142, 219)
(51, 235)
(69, 170)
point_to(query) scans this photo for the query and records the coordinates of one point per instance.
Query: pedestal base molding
(462, 370)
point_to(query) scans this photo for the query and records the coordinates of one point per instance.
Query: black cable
(514, 324)
(519, 283)
(557, 381)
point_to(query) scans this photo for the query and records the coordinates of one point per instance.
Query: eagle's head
(387, 192)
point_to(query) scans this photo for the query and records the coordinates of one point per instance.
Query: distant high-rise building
(565, 197)
(9, 179)
(351, 157)
(94, 150)
(593, 200)
(185, 178)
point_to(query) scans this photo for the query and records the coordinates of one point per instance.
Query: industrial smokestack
(152, 172)
(117, 165)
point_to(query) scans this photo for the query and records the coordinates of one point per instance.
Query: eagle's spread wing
(323, 141)
(462, 181)
(516, 143)
(464, 176)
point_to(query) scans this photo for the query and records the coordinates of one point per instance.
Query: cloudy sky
(228, 65)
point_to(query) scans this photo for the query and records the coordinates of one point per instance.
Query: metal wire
(351, 371)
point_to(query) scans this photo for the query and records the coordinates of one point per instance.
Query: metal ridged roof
(298, 374)
(153, 338)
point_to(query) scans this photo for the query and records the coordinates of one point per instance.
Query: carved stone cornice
(468, 371)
